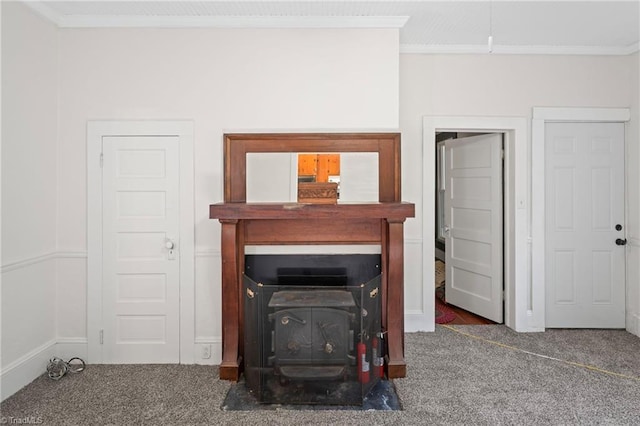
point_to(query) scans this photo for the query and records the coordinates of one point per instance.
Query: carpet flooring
(479, 375)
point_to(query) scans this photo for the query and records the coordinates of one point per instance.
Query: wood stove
(312, 333)
(302, 340)
(305, 325)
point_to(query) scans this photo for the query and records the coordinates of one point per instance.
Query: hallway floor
(467, 318)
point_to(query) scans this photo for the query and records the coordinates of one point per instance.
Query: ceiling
(517, 27)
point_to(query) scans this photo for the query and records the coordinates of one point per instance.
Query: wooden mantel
(239, 211)
(293, 223)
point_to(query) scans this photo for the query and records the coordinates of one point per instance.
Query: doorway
(541, 118)
(518, 312)
(585, 225)
(140, 293)
(469, 223)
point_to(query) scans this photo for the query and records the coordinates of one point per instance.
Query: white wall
(29, 193)
(633, 199)
(223, 80)
(496, 85)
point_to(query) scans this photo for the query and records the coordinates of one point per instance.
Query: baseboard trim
(215, 350)
(419, 321)
(71, 347)
(26, 369)
(29, 367)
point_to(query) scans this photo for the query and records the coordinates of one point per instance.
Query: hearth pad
(382, 397)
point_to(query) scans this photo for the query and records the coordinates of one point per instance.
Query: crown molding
(298, 22)
(43, 10)
(444, 48)
(317, 22)
(633, 48)
(519, 50)
(132, 21)
(581, 114)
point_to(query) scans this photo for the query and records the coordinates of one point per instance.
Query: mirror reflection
(318, 178)
(318, 167)
(326, 178)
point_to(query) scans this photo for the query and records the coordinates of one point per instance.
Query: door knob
(621, 242)
(446, 230)
(169, 244)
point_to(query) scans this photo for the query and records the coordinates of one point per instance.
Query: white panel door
(584, 203)
(141, 269)
(473, 224)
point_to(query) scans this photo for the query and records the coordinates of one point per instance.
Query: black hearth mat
(382, 397)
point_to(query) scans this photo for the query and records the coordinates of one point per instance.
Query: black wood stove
(312, 328)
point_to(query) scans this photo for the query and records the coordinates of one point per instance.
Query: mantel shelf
(249, 211)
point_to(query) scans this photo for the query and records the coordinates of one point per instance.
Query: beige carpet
(452, 379)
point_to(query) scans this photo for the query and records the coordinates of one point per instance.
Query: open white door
(141, 265)
(473, 224)
(584, 225)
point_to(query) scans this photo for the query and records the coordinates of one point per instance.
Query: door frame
(541, 116)
(96, 130)
(518, 312)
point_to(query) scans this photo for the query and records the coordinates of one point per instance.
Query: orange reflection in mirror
(318, 167)
(318, 178)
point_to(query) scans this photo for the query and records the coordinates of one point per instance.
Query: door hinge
(101, 337)
(101, 159)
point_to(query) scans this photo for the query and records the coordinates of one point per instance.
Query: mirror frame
(237, 145)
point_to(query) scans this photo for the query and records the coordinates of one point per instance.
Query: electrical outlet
(206, 351)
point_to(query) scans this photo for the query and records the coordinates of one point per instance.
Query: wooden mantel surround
(245, 224)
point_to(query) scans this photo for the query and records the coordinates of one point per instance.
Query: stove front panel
(310, 344)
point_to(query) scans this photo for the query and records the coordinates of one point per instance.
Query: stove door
(312, 343)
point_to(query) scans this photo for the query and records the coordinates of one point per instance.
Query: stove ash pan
(313, 334)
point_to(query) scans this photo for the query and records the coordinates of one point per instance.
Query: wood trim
(389, 165)
(311, 211)
(230, 366)
(396, 365)
(312, 231)
(237, 145)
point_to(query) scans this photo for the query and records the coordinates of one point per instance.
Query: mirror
(269, 177)
(359, 177)
(325, 178)
(375, 155)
